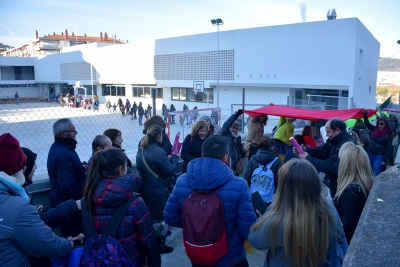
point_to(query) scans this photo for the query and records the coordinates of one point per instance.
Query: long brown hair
(303, 212)
(104, 165)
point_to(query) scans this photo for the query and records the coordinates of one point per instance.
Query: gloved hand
(239, 112)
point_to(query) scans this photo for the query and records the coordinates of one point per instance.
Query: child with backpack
(262, 170)
(108, 187)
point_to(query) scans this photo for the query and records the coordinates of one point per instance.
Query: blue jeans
(376, 161)
(140, 119)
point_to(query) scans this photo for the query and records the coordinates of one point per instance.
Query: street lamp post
(217, 22)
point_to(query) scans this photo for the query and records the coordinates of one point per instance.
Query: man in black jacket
(66, 171)
(326, 158)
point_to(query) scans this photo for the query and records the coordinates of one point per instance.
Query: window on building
(113, 90)
(187, 94)
(145, 92)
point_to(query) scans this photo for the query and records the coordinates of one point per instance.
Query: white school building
(332, 63)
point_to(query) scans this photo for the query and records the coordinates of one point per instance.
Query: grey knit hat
(205, 117)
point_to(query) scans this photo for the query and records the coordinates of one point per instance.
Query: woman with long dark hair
(300, 228)
(355, 181)
(116, 138)
(107, 187)
(380, 147)
(157, 170)
(308, 137)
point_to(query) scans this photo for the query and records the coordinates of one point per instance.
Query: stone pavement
(178, 257)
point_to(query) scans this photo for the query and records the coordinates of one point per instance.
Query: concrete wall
(376, 240)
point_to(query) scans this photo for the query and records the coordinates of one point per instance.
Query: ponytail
(152, 132)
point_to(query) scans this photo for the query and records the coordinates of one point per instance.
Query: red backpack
(203, 223)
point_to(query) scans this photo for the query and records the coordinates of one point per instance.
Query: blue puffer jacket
(66, 174)
(209, 174)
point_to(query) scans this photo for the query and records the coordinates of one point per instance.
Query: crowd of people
(307, 222)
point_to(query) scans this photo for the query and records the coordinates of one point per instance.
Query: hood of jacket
(9, 185)
(112, 192)
(208, 173)
(264, 157)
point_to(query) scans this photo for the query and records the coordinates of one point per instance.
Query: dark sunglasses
(380, 123)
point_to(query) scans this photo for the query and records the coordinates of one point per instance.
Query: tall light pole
(217, 22)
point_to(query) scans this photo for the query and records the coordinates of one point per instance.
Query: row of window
(180, 94)
(119, 90)
(188, 94)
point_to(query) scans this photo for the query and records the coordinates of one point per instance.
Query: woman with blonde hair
(355, 181)
(300, 228)
(192, 145)
(256, 131)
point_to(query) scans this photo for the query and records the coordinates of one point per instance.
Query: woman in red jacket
(308, 137)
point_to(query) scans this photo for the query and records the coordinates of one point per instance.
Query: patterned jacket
(136, 232)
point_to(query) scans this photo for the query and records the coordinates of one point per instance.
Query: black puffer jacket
(236, 150)
(326, 158)
(191, 149)
(263, 157)
(153, 190)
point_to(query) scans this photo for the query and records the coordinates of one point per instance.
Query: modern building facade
(334, 62)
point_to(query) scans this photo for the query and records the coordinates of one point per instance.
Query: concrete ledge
(376, 241)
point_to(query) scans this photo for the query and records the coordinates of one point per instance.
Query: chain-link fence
(31, 123)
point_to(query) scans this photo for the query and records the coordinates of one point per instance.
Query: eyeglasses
(72, 131)
(380, 123)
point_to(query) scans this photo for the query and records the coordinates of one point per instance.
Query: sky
(135, 20)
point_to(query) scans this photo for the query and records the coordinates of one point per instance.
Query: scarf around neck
(376, 133)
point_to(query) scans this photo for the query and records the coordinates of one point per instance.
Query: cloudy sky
(135, 20)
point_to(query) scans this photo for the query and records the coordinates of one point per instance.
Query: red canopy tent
(309, 114)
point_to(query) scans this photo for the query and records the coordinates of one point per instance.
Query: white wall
(365, 68)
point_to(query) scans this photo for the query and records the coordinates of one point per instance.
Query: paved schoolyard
(31, 124)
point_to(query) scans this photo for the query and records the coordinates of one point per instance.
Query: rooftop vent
(331, 14)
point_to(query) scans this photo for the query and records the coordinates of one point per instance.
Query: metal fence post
(243, 101)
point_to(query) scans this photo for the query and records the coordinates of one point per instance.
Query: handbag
(239, 164)
(169, 181)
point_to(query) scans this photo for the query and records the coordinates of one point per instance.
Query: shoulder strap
(270, 164)
(147, 166)
(88, 224)
(115, 221)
